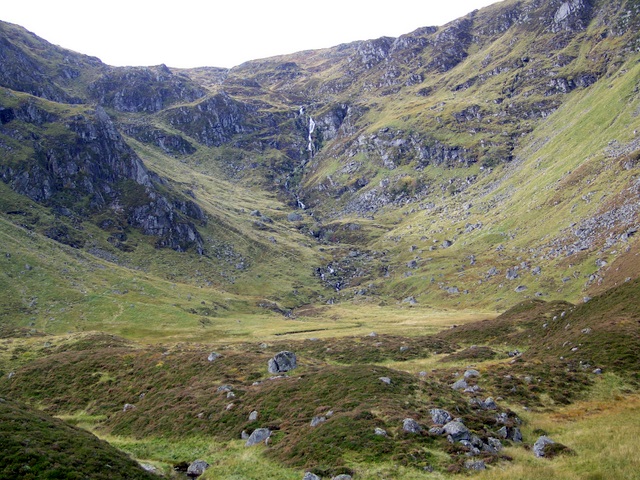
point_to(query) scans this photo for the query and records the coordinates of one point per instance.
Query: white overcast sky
(194, 33)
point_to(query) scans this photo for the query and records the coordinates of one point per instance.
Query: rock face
(282, 362)
(93, 170)
(259, 435)
(143, 89)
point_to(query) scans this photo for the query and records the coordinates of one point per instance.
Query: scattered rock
(213, 356)
(282, 362)
(520, 288)
(197, 468)
(410, 300)
(315, 421)
(128, 407)
(460, 385)
(294, 217)
(597, 371)
(310, 476)
(259, 435)
(411, 426)
(494, 444)
(475, 465)
(386, 380)
(253, 416)
(457, 431)
(539, 446)
(343, 476)
(439, 416)
(224, 388)
(471, 373)
(380, 431)
(490, 404)
(511, 433)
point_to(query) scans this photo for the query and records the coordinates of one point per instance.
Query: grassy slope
(37, 446)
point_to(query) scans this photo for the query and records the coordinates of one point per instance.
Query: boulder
(490, 404)
(315, 421)
(380, 431)
(439, 416)
(213, 356)
(386, 380)
(128, 406)
(294, 217)
(259, 435)
(197, 468)
(457, 431)
(460, 385)
(343, 476)
(282, 362)
(253, 416)
(411, 426)
(310, 476)
(471, 373)
(541, 443)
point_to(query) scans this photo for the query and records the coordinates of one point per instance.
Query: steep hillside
(476, 164)
(442, 226)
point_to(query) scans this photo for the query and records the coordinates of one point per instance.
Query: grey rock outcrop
(197, 468)
(457, 431)
(460, 385)
(439, 416)
(282, 362)
(541, 443)
(411, 426)
(259, 435)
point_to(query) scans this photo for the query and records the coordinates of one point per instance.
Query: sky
(215, 33)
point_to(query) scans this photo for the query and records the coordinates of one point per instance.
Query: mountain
(484, 170)
(452, 164)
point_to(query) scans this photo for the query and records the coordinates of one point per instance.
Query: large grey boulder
(259, 435)
(538, 447)
(460, 385)
(411, 426)
(197, 468)
(283, 362)
(310, 476)
(343, 476)
(457, 431)
(439, 416)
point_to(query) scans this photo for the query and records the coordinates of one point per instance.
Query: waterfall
(312, 127)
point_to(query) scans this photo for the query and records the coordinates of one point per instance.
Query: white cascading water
(312, 127)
